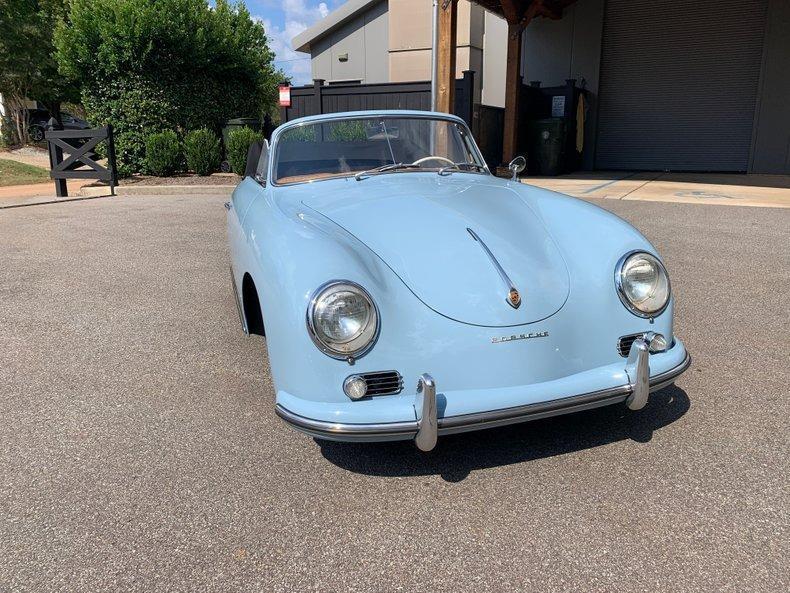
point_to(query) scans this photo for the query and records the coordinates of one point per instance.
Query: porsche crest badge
(514, 298)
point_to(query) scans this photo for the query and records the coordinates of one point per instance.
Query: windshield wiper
(459, 167)
(385, 169)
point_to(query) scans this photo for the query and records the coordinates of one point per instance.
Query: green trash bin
(547, 145)
(231, 124)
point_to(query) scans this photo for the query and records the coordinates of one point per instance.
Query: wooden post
(445, 71)
(111, 160)
(55, 158)
(512, 92)
(318, 85)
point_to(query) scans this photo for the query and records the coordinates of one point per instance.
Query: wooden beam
(512, 91)
(445, 75)
(512, 10)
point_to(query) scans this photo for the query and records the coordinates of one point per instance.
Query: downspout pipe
(434, 54)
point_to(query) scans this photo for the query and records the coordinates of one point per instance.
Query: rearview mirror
(517, 165)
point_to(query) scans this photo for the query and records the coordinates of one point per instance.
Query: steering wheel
(433, 158)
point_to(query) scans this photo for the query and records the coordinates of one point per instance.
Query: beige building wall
(390, 41)
(494, 60)
(410, 40)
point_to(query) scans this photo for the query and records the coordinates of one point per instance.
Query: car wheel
(36, 133)
(224, 167)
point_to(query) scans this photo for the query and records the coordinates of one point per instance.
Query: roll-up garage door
(679, 83)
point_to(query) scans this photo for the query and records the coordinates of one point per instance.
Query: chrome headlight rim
(618, 280)
(315, 336)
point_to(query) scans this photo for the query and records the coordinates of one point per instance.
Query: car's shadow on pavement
(455, 456)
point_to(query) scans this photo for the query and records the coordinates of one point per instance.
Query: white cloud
(299, 15)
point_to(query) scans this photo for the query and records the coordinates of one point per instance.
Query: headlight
(342, 319)
(642, 284)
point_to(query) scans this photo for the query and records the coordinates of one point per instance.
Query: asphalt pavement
(139, 449)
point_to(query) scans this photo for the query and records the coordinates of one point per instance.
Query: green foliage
(147, 66)
(347, 131)
(163, 153)
(28, 69)
(8, 135)
(239, 140)
(300, 134)
(201, 149)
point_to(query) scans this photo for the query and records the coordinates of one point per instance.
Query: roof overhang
(329, 23)
(515, 10)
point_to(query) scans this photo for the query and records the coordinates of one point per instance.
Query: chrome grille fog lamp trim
(380, 382)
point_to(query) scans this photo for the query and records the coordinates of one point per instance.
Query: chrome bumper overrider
(427, 427)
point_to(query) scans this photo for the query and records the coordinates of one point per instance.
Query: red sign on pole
(285, 95)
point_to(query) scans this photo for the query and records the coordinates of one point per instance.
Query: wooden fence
(78, 146)
(319, 98)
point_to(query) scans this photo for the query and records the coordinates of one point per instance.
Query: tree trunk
(16, 104)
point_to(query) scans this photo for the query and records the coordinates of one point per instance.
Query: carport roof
(513, 10)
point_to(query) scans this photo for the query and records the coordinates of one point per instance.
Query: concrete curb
(157, 190)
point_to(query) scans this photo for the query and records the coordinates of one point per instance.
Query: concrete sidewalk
(689, 188)
(39, 193)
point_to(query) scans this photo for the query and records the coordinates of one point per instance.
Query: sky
(283, 20)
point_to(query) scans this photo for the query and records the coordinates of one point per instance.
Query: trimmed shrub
(201, 149)
(162, 153)
(239, 140)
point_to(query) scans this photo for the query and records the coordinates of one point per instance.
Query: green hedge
(163, 153)
(239, 141)
(201, 149)
(148, 66)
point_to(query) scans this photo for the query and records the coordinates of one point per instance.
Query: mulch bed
(183, 179)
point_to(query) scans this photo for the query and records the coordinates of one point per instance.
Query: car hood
(420, 223)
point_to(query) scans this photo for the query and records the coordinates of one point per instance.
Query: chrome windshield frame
(469, 141)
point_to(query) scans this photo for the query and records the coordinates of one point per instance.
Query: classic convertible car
(406, 293)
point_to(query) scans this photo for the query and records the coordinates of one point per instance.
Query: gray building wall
(553, 51)
(365, 40)
(771, 139)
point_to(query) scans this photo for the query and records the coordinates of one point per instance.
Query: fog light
(657, 342)
(355, 387)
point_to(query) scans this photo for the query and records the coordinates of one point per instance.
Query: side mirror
(517, 165)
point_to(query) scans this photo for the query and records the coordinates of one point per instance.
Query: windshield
(345, 147)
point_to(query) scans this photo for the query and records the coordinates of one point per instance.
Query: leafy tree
(147, 66)
(28, 69)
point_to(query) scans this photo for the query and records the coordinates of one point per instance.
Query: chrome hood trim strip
(513, 297)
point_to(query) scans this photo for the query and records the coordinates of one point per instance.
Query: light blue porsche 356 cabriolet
(406, 293)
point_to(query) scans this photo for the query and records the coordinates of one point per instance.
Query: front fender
(290, 252)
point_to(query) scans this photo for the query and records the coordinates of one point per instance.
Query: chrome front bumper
(427, 427)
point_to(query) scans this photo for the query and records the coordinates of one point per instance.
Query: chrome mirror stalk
(425, 406)
(516, 166)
